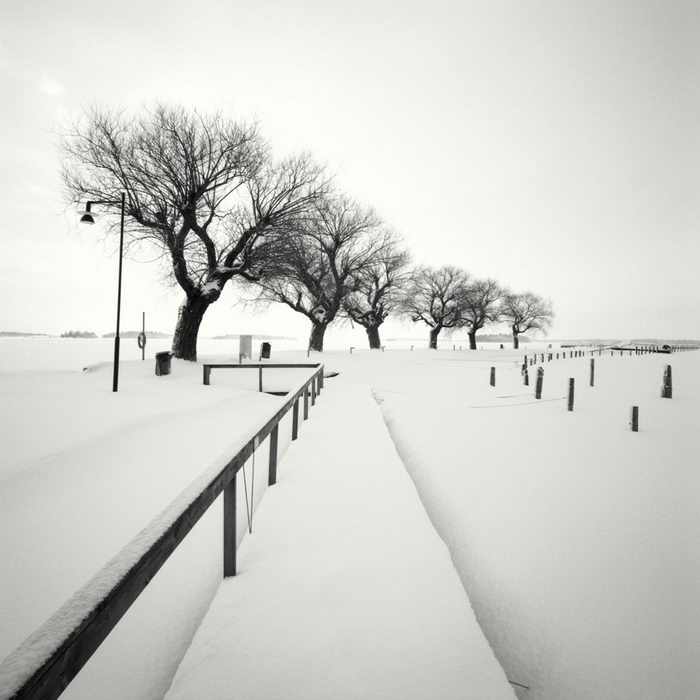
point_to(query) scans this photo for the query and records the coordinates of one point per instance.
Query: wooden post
(207, 372)
(230, 528)
(306, 403)
(526, 378)
(260, 379)
(313, 391)
(538, 382)
(320, 382)
(667, 388)
(570, 404)
(295, 419)
(634, 422)
(272, 473)
(592, 371)
(492, 379)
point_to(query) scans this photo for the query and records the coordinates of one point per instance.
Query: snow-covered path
(344, 589)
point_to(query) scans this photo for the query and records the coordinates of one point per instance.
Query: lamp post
(89, 218)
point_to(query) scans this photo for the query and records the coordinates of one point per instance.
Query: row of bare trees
(449, 298)
(208, 196)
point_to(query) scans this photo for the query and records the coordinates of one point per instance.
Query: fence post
(634, 422)
(570, 404)
(306, 402)
(492, 379)
(272, 475)
(592, 371)
(260, 379)
(538, 382)
(667, 388)
(207, 372)
(526, 378)
(230, 528)
(313, 391)
(295, 419)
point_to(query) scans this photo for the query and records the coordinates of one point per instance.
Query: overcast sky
(553, 145)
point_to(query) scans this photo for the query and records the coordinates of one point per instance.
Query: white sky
(553, 145)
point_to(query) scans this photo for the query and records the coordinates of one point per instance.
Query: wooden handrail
(48, 660)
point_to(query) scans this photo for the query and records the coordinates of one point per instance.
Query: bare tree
(202, 189)
(318, 260)
(377, 288)
(525, 312)
(481, 306)
(436, 297)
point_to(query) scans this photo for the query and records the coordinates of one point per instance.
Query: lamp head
(87, 217)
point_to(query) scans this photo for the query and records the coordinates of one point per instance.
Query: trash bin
(265, 351)
(163, 363)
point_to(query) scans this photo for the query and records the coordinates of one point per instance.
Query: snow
(344, 589)
(574, 538)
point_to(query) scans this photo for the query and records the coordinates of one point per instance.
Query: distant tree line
(207, 194)
(78, 334)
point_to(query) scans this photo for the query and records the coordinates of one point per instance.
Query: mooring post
(592, 371)
(538, 382)
(492, 379)
(526, 378)
(667, 388)
(634, 422)
(570, 404)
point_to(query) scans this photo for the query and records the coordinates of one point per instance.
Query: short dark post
(295, 419)
(260, 379)
(538, 382)
(570, 404)
(351, 349)
(667, 388)
(313, 391)
(306, 403)
(592, 371)
(206, 372)
(272, 474)
(492, 380)
(634, 423)
(526, 378)
(230, 528)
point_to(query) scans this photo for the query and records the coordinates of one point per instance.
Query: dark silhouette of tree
(318, 259)
(377, 288)
(203, 190)
(436, 297)
(525, 312)
(481, 306)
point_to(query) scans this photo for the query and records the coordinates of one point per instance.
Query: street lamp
(88, 217)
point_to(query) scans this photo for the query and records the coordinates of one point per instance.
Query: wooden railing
(48, 660)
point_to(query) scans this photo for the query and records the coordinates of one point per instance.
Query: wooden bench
(208, 367)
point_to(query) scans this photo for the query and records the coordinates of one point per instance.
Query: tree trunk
(516, 342)
(189, 318)
(472, 340)
(373, 334)
(434, 333)
(316, 338)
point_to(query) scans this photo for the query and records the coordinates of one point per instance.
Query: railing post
(206, 373)
(295, 419)
(313, 391)
(570, 403)
(230, 528)
(272, 478)
(260, 369)
(306, 402)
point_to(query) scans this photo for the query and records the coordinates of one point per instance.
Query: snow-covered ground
(575, 539)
